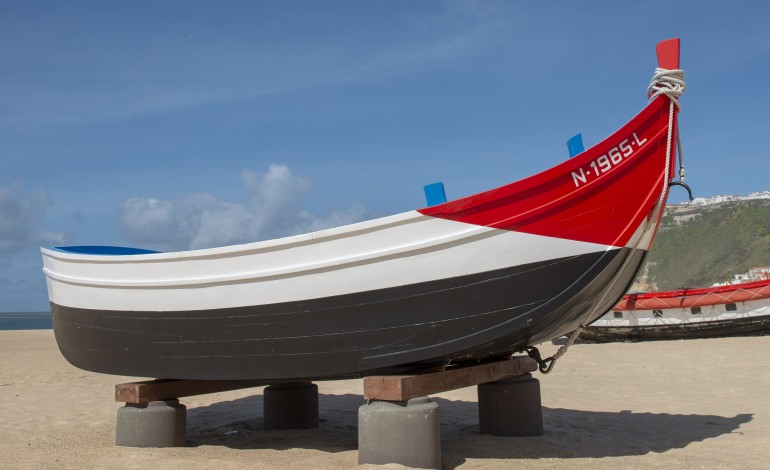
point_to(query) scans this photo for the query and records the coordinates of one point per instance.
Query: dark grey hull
(384, 331)
(749, 326)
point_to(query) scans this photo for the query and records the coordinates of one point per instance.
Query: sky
(174, 125)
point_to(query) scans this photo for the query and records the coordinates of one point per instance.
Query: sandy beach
(684, 404)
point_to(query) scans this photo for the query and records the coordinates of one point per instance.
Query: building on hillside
(719, 199)
(754, 274)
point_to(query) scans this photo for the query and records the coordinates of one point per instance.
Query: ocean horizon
(25, 320)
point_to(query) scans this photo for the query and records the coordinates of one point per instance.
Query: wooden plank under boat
(711, 312)
(466, 280)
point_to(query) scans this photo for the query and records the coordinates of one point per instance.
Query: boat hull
(469, 279)
(391, 330)
(748, 326)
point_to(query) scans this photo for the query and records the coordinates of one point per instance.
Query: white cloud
(20, 220)
(273, 209)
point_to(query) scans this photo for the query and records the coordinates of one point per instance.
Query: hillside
(699, 245)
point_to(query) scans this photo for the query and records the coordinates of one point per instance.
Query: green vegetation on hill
(700, 245)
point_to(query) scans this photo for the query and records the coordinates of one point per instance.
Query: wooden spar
(405, 387)
(387, 387)
(158, 390)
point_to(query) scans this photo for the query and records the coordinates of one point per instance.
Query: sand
(684, 404)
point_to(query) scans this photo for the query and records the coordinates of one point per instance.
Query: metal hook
(544, 365)
(682, 184)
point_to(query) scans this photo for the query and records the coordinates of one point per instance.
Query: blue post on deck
(575, 145)
(434, 194)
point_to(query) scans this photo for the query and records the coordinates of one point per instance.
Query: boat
(712, 312)
(466, 280)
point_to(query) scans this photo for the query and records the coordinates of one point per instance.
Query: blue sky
(184, 124)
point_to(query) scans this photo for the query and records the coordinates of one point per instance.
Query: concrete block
(153, 424)
(405, 433)
(292, 405)
(511, 407)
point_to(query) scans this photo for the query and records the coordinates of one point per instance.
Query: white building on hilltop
(754, 274)
(703, 201)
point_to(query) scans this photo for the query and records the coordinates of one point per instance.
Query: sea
(25, 321)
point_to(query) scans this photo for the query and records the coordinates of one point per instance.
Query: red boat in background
(729, 310)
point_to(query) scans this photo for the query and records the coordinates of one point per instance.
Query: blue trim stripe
(103, 250)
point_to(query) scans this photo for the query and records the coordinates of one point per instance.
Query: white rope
(574, 335)
(667, 82)
(670, 83)
(664, 82)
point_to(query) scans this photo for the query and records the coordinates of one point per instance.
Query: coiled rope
(664, 82)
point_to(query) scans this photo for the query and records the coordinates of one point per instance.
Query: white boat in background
(717, 311)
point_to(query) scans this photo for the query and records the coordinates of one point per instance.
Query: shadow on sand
(568, 433)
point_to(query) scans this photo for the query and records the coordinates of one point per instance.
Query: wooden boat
(470, 279)
(711, 312)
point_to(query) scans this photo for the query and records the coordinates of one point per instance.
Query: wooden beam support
(168, 389)
(405, 387)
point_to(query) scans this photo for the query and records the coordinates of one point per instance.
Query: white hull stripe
(406, 249)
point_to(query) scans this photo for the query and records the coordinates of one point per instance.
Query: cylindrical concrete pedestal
(511, 407)
(292, 405)
(405, 433)
(153, 424)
